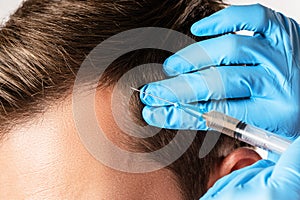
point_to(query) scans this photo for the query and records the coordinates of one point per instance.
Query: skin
(45, 159)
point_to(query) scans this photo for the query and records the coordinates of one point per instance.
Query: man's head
(42, 48)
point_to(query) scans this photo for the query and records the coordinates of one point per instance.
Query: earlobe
(237, 159)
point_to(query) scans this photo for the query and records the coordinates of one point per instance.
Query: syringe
(237, 129)
(234, 128)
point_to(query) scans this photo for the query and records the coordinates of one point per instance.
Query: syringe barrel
(262, 139)
(252, 135)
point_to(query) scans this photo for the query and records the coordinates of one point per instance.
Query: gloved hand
(263, 180)
(256, 78)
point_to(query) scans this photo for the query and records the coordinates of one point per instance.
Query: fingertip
(151, 118)
(173, 64)
(231, 19)
(188, 59)
(195, 30)
(143, 94)
(159, 93)
(146, 115)
(154, 94)
(207, 26)
(161, 117)
(168, 66)
(202, 27)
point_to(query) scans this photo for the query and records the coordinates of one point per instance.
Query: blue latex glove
(256, 78)
(263, 180)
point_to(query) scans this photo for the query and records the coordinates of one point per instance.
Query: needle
(162, 99)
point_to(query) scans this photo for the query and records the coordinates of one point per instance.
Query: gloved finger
(215, 83)
(224, 50)
(173, 117)
(288, 166)
(232, 19)
(238, 177)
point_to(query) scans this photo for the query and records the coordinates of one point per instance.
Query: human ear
(237, 159)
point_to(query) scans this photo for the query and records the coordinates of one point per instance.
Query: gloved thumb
(288, 166)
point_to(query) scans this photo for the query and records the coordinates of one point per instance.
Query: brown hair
(44, 43)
